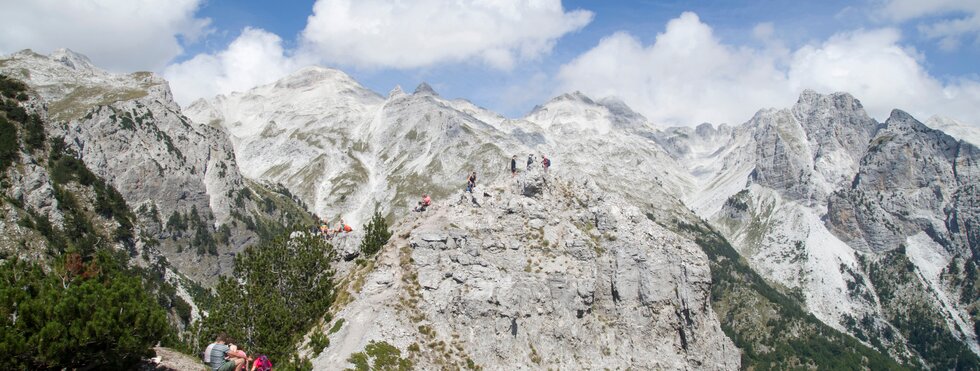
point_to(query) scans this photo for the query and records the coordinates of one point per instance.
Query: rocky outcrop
(812, 149)
(565, 276)
(912, 179)
(181, 179)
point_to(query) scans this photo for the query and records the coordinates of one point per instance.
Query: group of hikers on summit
(471, 178)
(545, 163)
(224, 355)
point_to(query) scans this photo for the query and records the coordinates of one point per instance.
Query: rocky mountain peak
(574, 96)
(425, 89)
(396, 92)
(899, 119)
(72, 59)
(312, 76)
(624, 116)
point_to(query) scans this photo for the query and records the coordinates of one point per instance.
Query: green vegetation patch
(81, 315)
(902, 297)
(279, 290)
(773, 330)
(379, 356)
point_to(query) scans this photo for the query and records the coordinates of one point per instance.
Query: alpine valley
(811, 236)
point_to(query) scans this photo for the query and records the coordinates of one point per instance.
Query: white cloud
(376, 33)
(121, 35)
(256, 57)
(383, 34)
(958, 19)
(687, 76)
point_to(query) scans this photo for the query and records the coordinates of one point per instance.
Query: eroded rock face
(569, 277)
(913, 179)
(808, 151)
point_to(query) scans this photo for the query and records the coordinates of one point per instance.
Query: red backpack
(262, 364)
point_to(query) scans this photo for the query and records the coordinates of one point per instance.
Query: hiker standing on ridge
(513, 166)
(471, 182)
(530, 160)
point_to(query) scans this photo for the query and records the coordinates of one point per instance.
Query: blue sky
(677, 62)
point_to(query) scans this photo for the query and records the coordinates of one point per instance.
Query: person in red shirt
(426, 201)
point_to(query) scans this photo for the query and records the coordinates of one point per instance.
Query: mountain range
(644, 246)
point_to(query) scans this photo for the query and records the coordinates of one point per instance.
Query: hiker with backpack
(513, 166)
(471, 182)
(262, 363)
(530, 160)
(546, 163)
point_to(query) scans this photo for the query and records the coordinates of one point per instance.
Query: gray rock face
(912, 179)
(129, 131)
(568, 277)
(810, 150)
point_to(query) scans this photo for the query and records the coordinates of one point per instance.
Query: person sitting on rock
(215, 357)
(426, 201)
(324, 229)
(344, 227)
(235, 359)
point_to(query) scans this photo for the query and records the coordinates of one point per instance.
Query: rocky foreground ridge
(542, 272)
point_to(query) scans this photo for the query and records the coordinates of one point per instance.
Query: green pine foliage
(376, 235)
(10, 88)
(318, 342)
(892, 274)
(280, 288)
(9, 150)
(85, 315)
(34, 135)
(379, 356)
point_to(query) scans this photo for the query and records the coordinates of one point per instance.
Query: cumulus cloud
(256, 57)
(121, 35)
(687, 76)
(376, 33)
(384, 34)
(957, 19)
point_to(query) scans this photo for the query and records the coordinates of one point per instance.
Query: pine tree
(280, 289)
(83, 314)
(376, 235)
